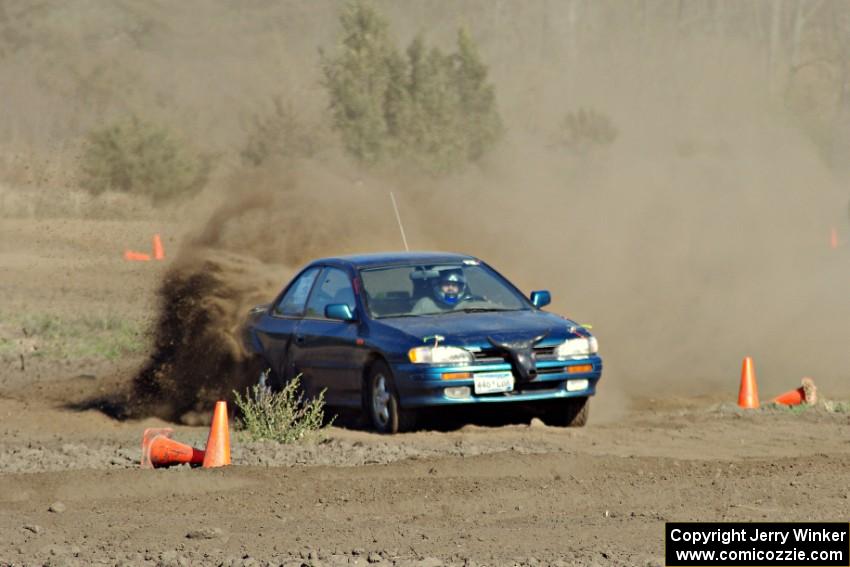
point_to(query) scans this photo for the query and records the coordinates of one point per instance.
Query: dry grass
(93, 336)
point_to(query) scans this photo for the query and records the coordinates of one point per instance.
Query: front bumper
(423, 385)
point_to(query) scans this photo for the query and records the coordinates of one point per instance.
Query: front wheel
(382, 402)
(572, 412)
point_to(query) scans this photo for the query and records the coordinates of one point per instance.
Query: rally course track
(72, 493)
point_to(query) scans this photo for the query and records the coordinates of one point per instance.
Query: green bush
(433, 109)
(586, 129)
(136, 156)
(280, 134)
(281, 416)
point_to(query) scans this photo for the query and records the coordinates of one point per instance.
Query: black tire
(382, 405)
(572, 412)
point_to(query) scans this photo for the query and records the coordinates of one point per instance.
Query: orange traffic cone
(218, 443)
(158, 450)
(748, 395)
(158, 250)
(805, 394)
(833, 238)
(131, 256)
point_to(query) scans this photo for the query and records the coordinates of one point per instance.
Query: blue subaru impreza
(393, 333)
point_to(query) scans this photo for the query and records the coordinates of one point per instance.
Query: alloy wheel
(381, 399)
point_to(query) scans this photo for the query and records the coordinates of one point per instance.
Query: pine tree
(358, 80)
(435, 110)
(477, 98)
(434, 138)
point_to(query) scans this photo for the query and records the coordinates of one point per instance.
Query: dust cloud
(700, 236)
(271, 220)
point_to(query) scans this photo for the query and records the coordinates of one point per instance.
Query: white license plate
(493, 382)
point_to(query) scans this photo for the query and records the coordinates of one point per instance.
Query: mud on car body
(392, 333)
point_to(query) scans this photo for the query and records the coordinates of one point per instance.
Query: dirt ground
(714, 226)
(72, 493)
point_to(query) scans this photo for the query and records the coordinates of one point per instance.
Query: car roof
(393, 258)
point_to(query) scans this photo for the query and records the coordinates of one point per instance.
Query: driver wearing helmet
(447, 290)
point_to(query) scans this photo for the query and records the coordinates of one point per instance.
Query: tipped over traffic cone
(132, 256)
(158, 250)
(805, 394)
(159, 450)
(218, 443)
(748, 395)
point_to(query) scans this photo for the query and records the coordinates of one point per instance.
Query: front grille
(489, 356)
(538, 386)
(495, 356)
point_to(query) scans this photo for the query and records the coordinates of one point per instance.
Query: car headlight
(577, 348)
(440, 355)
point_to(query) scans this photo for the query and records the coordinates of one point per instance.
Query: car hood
(472, 329)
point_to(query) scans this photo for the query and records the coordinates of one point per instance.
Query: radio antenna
(398, 218)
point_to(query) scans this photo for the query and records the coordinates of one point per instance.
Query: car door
(325, 350)
(279, 328)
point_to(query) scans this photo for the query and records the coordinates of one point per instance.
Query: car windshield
(433, 289)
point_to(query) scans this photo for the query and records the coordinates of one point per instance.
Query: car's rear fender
(250, 340)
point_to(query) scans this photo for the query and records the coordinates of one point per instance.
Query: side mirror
(339, 311)
(541, 298)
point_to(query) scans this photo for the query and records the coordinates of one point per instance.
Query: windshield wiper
(480, 310)
(465, 310)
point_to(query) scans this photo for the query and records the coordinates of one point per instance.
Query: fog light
(459, 392)
(577, 385)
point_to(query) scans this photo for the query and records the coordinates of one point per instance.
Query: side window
(333, 287)
(292, 302)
